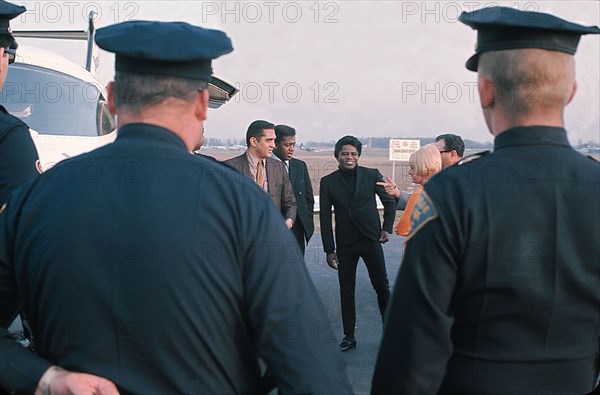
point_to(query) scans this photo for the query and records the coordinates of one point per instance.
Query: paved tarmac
(361, 361)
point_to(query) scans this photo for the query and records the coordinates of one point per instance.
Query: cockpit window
(54, 103)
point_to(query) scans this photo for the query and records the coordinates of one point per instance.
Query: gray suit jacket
(280, 188)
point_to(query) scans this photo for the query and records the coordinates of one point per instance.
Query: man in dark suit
(351, 191)
(499, 289)
(285, 143)
(452, 148)
(154, 275)
(268, 173)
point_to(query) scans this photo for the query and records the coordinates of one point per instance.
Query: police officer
(140, 268)
(498, 292)
(18, 155)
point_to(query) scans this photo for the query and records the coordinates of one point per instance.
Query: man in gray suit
(268, 173)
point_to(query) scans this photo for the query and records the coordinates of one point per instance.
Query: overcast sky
(330, 68)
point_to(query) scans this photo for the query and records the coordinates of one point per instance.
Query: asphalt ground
(360, 361)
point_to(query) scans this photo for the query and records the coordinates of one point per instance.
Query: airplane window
(51, 102)
(106, 121)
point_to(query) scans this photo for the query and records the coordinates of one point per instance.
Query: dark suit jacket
(280, 188)
(355, 214)
(305, 200)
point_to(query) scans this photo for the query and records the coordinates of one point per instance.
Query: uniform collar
(531, 135)
(149, 132)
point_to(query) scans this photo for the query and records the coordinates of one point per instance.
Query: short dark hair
(282, 131)
(347, 140)
(452, 142)
(137, 91)
(256, 129)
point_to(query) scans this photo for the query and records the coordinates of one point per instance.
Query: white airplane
(63, 103)
(305, 148)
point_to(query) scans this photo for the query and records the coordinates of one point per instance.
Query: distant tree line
(216, 142)
(374, 142)
(384, 142)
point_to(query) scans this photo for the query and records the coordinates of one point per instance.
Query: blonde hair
(427, 160)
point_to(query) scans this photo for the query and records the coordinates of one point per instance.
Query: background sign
(400, 150)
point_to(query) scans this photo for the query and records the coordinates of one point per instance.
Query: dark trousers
(372, 254)
(298, 231)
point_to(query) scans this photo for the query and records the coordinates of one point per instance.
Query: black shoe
(347, 344)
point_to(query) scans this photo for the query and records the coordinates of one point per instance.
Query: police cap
(501, 28)
(175, 49)
(8, 11)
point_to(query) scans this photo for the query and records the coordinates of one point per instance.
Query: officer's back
(498, 288)
(159, 270)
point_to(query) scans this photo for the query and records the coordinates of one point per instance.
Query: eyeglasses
(12, 54)
(441, 152)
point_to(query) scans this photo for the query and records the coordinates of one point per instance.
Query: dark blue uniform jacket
(163, 271)
(18, 154)
(499, 289)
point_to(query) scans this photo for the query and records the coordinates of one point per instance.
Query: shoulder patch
(473, 157)
(423, 212)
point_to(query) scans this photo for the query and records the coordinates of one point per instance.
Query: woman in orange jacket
(424, 163)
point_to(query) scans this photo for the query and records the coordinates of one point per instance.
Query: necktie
(259, 173)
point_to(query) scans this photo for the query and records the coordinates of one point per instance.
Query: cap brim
(219, 92)
(473, 62)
